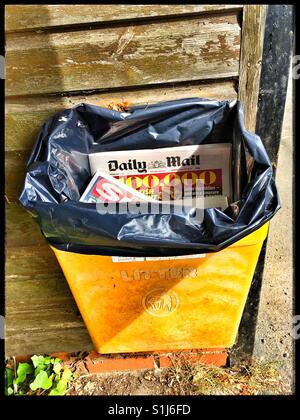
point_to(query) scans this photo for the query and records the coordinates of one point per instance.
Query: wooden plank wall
(58, 56)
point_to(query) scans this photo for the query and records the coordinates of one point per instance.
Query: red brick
(165, 361)
(103, 364)
(96, 362)
(215, 359)
(62, 355)
(209, 358)
(206, 350)
(23, 359)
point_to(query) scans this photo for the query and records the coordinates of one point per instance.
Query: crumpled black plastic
(58, 173)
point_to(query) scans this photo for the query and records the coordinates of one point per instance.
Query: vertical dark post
(278, 46)
(277, 51)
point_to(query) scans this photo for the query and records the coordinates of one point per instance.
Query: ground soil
(255, 379)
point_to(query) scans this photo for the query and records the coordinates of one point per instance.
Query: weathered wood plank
(34, 292)
(45, 341)
(26, 17)
(42, 316)
(28, 255)
(21, 228)
(251, 58)
(31, 262)
(153, 53)
(31, 319)
(15, 169)
(24, 116)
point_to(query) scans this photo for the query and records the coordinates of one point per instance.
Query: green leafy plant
(43, 376)
(9, 378)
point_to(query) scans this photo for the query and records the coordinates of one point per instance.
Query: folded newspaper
(105, 188)
(166, 174)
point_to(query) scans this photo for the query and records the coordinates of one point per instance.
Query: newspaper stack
(165, 174)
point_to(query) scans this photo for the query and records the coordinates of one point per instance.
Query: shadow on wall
(35, 286)
(32, 60)
(32, 64)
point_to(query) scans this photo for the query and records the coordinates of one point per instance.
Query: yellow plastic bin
(157, 304)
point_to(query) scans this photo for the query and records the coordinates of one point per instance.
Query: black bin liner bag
(58, 172)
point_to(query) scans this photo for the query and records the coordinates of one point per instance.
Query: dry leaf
(120, 106)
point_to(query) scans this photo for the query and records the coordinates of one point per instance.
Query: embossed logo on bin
(161, 303)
